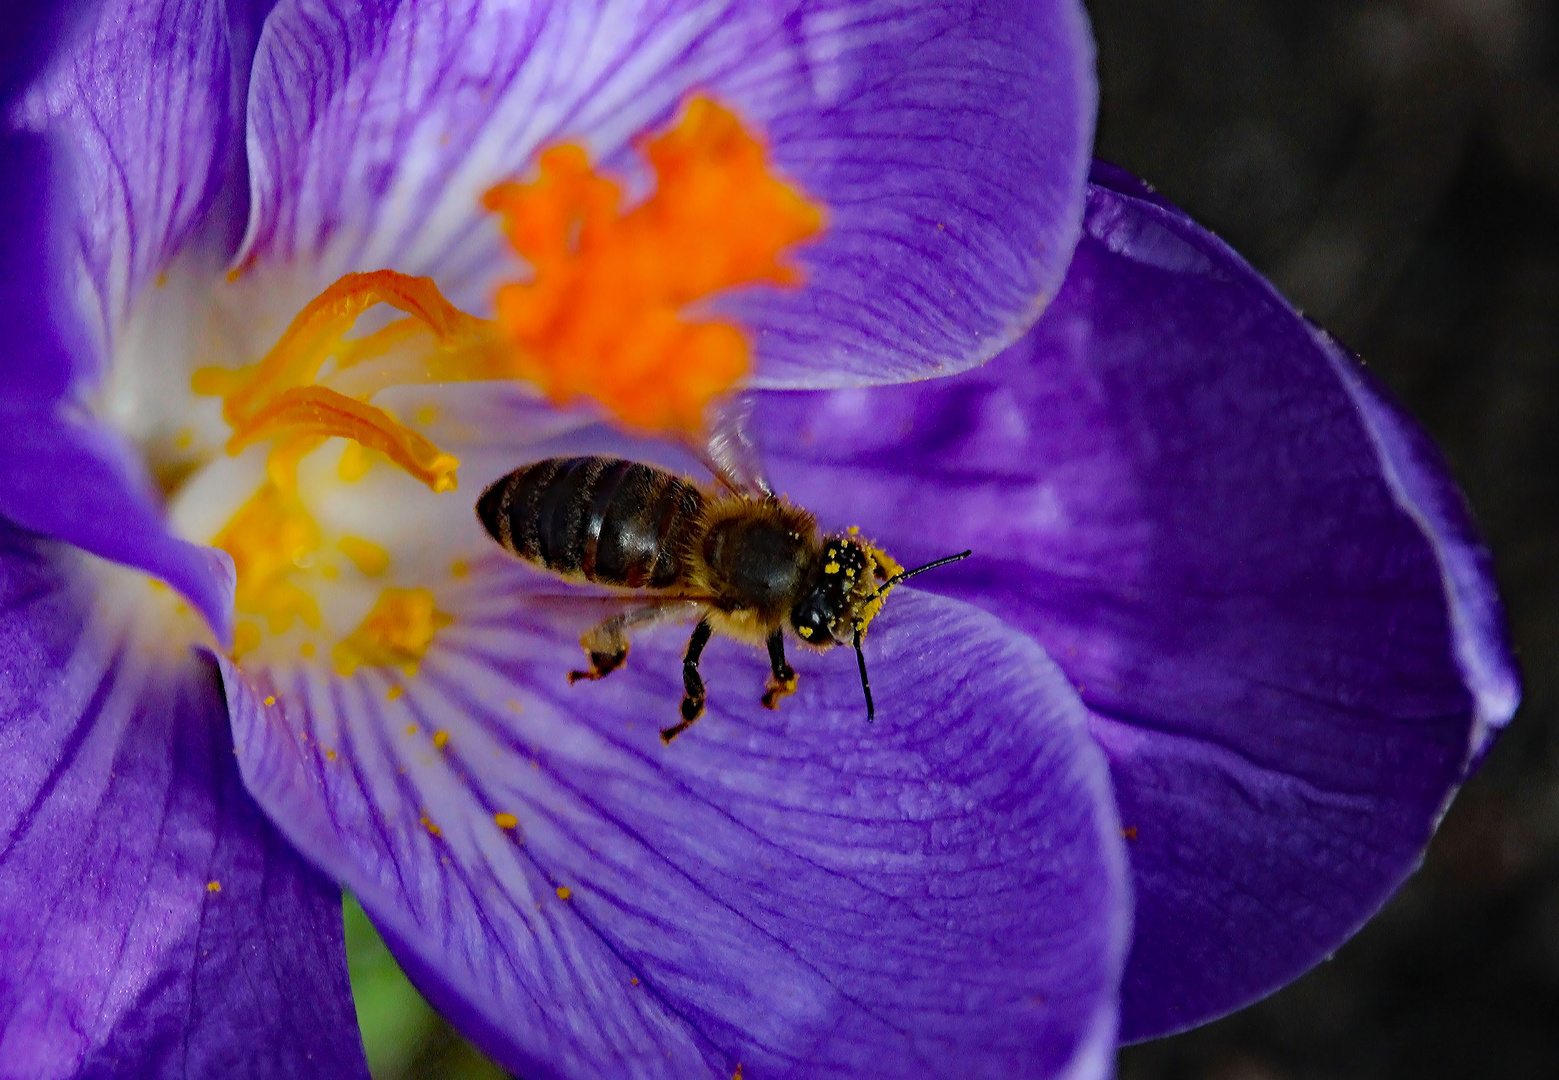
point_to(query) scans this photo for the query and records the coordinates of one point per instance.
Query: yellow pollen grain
(330, 755)
(831, 568)
(184, 439)
(411, 729)
(426, 415)
(306, 650)
(397, 632)
(603, 314)
(394, 694)
(564, 892)
(854, 530)
(427, 824)
(506, 821)
(440, 739)
(804, 631)
(213, 886)
(459, 569)
(369, 558)
(162, 279)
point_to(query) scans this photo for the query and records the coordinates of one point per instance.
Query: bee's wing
(729, 450)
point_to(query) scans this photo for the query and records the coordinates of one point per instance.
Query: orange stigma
(603, 315)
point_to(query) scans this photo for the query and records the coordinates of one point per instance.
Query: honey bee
(744, 562)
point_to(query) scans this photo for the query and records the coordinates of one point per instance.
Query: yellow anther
(268, 537)
(398, 632)
(355, 462)
(369, 558)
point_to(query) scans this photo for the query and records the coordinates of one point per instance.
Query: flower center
(602, 317)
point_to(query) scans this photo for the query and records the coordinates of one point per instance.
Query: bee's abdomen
(604, 519)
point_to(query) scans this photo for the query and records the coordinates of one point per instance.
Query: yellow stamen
(397, 632)
(318, 411)
(602, 316)
(268, 537)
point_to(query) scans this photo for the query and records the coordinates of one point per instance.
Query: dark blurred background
(1394, 167)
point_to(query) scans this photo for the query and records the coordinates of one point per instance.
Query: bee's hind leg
(782, 677)
(606, 643)
(692, 682)
(607, 647)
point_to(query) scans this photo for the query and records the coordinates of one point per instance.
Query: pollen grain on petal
(506, 821)
(397, 632)
(213, 886)
(603, 314)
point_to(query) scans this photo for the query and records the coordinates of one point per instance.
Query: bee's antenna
(904, 574)
(860, 657)
(866, 686)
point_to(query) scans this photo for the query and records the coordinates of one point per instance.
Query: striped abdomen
(603, 519)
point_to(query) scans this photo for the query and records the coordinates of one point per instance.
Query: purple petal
(67, 476)
(1421, 480)
(1268, 609)
(948, 141)
(940, 893)
(148, 106)
(152, 922)
(140, 138)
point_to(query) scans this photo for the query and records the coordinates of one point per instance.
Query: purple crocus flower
(1220, 582)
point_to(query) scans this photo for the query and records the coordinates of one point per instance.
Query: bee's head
(846, 591)
(840, 597)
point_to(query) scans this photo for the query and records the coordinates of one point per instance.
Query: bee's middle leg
(782, 677)
(692, 682)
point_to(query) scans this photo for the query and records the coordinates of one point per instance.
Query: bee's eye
(812, 619)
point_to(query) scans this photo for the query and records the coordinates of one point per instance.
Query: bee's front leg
(782, 677)
(692, 682)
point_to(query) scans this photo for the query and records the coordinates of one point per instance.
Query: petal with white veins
(947, 142)
(800, 893)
